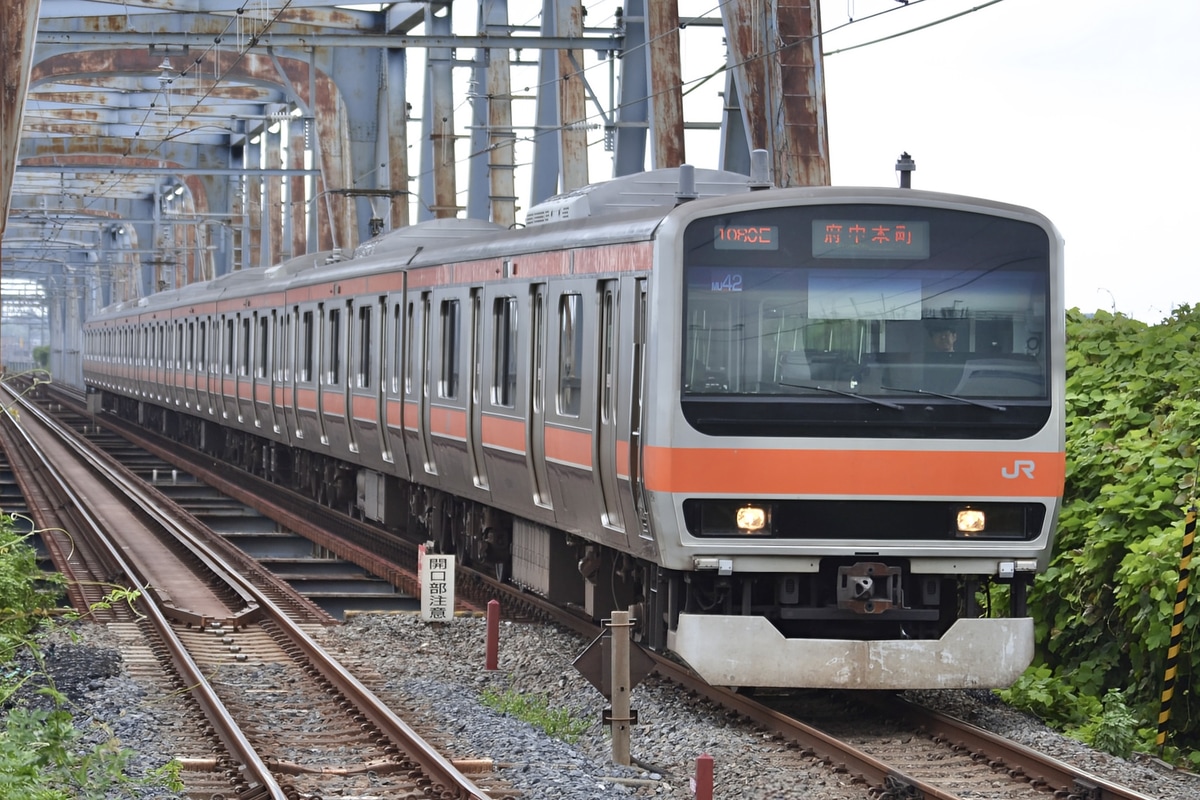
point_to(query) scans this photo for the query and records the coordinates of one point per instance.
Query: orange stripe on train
(872, 473)
(566, 446)
(448, 422)
(504, 432)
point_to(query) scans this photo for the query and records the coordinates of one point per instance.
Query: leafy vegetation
(1104, 609)
(535, 709)
(44, 755)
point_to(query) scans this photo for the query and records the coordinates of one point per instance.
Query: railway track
(906, 752)
(895, 749)
(285, 719)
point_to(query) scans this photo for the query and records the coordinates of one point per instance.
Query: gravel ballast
(439, 670)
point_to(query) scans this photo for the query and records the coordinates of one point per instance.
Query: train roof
(627, 209)
(404, 243)
(658, 189)
(624, 209)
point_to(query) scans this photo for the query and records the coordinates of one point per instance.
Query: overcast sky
(1085, 110)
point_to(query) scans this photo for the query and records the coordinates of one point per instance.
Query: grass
(535, 709)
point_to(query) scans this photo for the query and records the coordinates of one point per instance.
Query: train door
(374, 359)
(329, 368)
(278, 397)
(402, 409)
(166, 387)
(536, 446)
(290, 366)
(246, 374)
(367, 381)
(305, 368)
(411, 384)
(231, 368)
(227, 369)
(474, 401)
(156, 364)
(391, 375)
(204, 344)
(261, 388)
(426, 384)
(637, 388)
(175, 365)
(190, 368)
(607, 424)
(215, 376)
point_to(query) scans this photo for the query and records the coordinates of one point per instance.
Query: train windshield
(819, 320)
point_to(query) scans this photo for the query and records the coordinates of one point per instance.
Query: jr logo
(1019, 468)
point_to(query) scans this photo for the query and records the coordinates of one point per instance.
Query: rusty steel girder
(18, 30)
(243, 78)
(776, 61)
(572, 109)
(666, 84)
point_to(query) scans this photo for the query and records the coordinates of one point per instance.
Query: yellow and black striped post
(1185, 562)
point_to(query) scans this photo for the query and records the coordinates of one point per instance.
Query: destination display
(869, 238)
(746, 237)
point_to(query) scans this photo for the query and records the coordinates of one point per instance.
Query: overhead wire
(688, 86)
(694, 83)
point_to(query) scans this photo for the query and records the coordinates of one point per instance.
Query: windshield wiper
(856, 396)
(967, 400)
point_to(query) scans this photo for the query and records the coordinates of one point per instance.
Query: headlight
(729, 517)
(751, 519)
(971, 521)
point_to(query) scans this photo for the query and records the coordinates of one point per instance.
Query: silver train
(804, 434)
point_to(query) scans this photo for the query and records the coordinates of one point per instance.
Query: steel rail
(47, 516)
(884, 780)
(193, 676)
(1040, 769)
(436, 766)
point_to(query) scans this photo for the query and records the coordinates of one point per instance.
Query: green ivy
(1104, 608)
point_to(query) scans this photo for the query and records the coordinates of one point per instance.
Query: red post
(493, 635)
(702, 784)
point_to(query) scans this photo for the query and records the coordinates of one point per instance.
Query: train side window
(397, 348)
(263, 349)
(306, 373)
(448, 385)
(570, 354)
(335, 346)
(608, 365)
(364, 347)
(230, 347)
(410, 315)
(285, 348)
(504, 357)
(202, 347)
(247, 348)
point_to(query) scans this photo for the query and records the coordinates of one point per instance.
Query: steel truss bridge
(147, 144)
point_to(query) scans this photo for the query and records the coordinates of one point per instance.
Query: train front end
(854, 466)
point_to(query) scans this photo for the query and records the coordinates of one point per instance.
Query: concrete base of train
(749, 651)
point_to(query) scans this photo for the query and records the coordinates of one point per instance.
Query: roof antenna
(687, 184)
(760, 170)
(906, 166)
